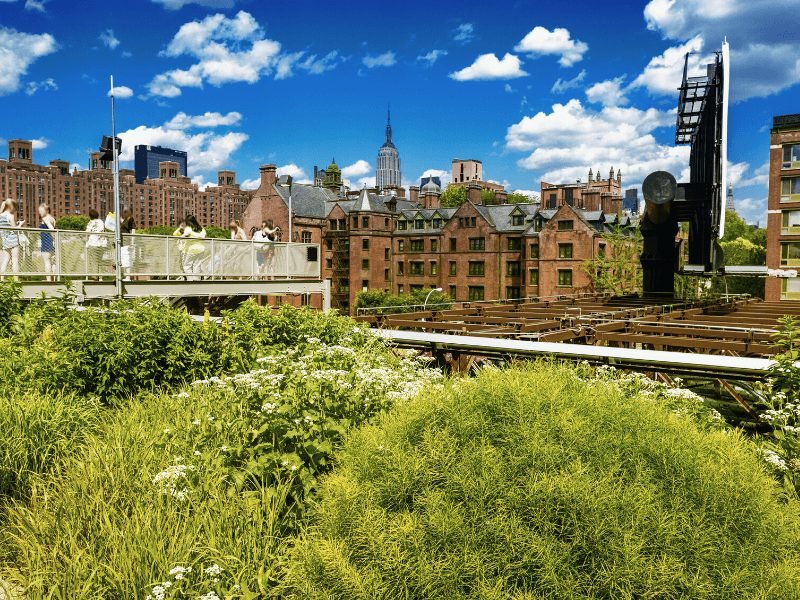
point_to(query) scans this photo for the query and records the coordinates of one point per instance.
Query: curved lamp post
(424, 304)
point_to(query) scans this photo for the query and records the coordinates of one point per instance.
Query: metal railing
(62, 254)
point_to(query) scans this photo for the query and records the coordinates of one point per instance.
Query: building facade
(596, 194)
(146, 161)
(783, 204)
(387, 171)
(163, 200)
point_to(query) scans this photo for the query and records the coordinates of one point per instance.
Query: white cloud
(228, 50)
(571, 138)
(387, 59)
(663, 74)
(206, 120)
(562, 85)
(764, 38)
(752, 210)
(759, 177)
(443, 175)
(177, 4)
(540, 41)
(357, 169)
(108, 39)
(608, 93)
(488, 66)
(293, 171)
(40, 143)
(250, 184)
(207, 151)
(316, 66)
(464, 33)
(18, 51)
(532, 194)
(432, 56)
(45, 85)
(37, 5)
(121, 92)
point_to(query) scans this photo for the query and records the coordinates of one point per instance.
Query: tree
(452, 196)
(617, 269)
(395, 303)
(72, 222)
(488, 197)
(517, 198)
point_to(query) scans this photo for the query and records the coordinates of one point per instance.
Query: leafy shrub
(72, 222)
(215, 474)
(398, 303)
(533, 483)
(10, 304)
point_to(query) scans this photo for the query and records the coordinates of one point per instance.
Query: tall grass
(532, 483)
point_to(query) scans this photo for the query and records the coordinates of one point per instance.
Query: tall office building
(387, 172)
(146, 160)
(729, 205)
(631, 201)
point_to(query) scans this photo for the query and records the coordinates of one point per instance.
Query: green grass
(531, 483)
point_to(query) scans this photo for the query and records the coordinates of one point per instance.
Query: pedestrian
(10, 239)
(237, 231)
(263, 240)
(47, 246)
(195, 249)
(96, 244)
(127, 227)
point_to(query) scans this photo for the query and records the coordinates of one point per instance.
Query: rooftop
(781, 121)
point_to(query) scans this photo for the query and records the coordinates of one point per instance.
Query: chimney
(413, 191)
(269, 175)
(474, 193)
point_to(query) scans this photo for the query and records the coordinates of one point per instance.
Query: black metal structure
(701, 123)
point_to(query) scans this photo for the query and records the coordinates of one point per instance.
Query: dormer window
(517, 220)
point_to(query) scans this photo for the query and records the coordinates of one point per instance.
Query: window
(416, 287)
(601, 250)
(477, 268)
(386, 222)
(417, 245)
(401, 268)
(551, 201)
(402, 225)
(565, 251)
(533, 276)
(355, 222)
(452, 244)
(365, 263)
(477, 244)
(385, 254)
(401, 289)
(566, 225)
(791, 156)
(332, 224)
(534, 250)
(568, 197)
(452, 267)
(365, 243)
(512, 293)
(416, 268)
(437, 223)
(365, 285)
(365, 222)
(512, 268)
(790, 222)
(517, 220)
(434, 268)
(342, 224)
(790, 189)
(565, 278)
(515, 243)
(419, 224)
(475, 293)
(386, 274)
(452, 291)
(401, 245)
(329, 244)
(790, 254)
(328, 263)
(434, 245)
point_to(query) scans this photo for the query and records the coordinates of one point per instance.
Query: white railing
(61, 254)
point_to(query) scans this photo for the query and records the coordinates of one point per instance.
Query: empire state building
(388, 163)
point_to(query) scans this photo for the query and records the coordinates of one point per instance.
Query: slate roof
(307, 200)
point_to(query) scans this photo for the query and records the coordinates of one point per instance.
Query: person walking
(9, 239)
(195, 250)
(96, 244)
(237, 231)
(47, 246)
(127, 227)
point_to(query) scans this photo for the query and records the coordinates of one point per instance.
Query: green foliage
(618, 269)
(157, 230)
(517, 198)
(488, 197)
(452, 196)
(10, 303)
(72, 222)
(219, 233)
(533, 483)
(215, 474)
(380, 302)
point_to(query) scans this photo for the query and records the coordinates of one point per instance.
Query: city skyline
(533, 92)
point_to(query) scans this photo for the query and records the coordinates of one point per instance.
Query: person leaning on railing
(10, 239)
(195, 250)
(127, 227)
(96, 244)
(47, 246)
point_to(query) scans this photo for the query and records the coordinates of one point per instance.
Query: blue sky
(537, 90)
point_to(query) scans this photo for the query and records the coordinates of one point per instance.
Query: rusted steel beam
(664, 341)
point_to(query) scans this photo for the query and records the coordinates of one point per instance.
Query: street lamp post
(424, 304)
(117, 229)
(289, 241)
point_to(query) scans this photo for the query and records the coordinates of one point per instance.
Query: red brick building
(783, 215)
(162, 201)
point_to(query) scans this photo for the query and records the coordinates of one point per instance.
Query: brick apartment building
(477, 251)
(783, 215)
(161, 201)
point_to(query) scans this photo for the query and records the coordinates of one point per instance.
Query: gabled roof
(307, 200)
(499, 215)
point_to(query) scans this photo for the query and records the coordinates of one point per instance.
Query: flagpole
(117, 228)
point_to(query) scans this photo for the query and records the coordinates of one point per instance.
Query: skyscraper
(146, 160)
(729, 199)
(388, 164)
